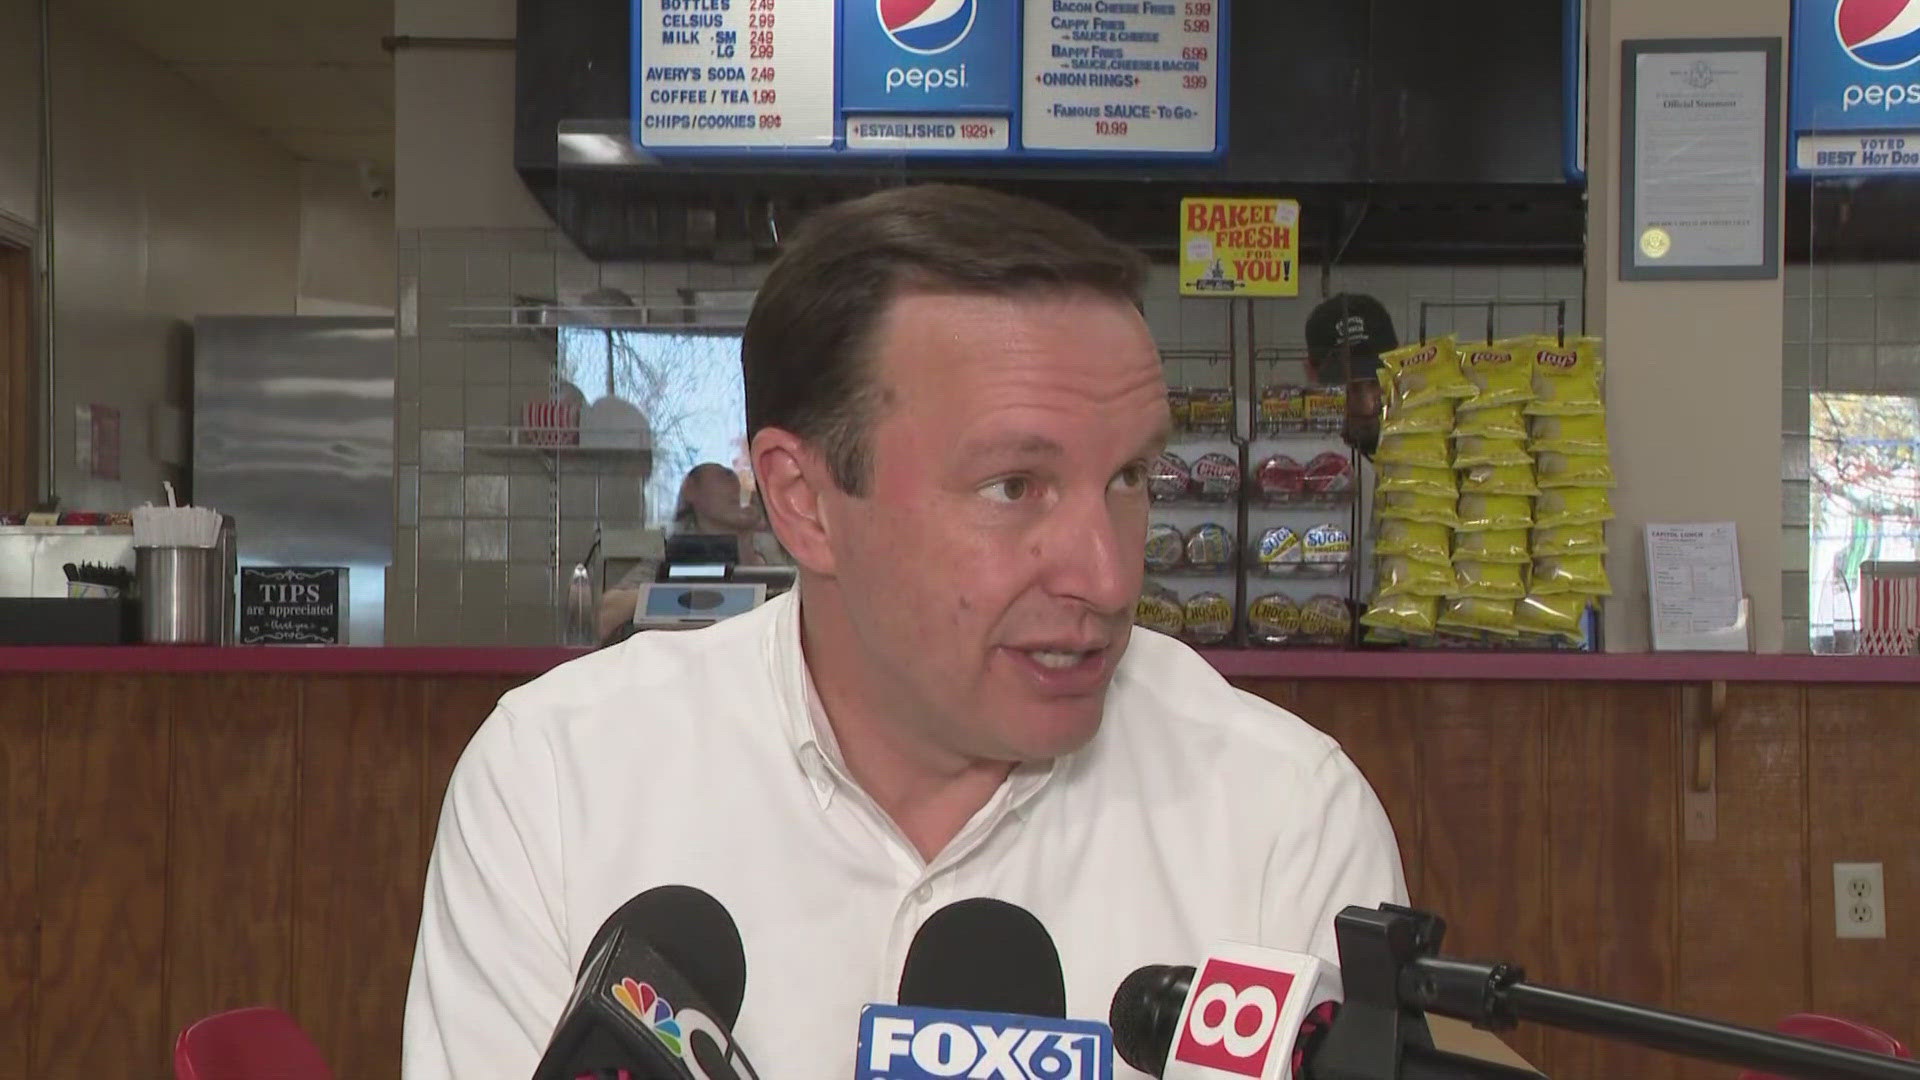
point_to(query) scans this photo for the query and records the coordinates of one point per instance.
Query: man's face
(989, 573)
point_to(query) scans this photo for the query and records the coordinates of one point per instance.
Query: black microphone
(657, 993)
(984, 955)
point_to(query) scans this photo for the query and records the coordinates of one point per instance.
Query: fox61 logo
(899, 1043)
(1231, 1021)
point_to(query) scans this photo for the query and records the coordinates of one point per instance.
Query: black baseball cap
(1348, 332)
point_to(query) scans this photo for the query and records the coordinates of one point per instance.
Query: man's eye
(1131, 477)
(1009, 489)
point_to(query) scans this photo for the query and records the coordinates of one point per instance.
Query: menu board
(1117, 79)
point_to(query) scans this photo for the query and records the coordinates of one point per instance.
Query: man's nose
(1092, 560)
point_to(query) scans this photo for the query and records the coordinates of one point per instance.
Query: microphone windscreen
(984, 955)
(693, 932)
(1145, 1014)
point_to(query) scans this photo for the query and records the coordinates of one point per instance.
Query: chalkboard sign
(293, 605)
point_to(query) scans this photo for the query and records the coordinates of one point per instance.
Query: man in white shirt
(953, 401)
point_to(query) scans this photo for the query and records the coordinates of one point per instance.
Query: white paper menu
(1695, 597)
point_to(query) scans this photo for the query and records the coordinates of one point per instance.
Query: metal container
(178, 601)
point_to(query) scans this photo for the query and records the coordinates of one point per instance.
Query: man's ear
(792, 481)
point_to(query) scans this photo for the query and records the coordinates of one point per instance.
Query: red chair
(259, 1043)
(1831, 1029)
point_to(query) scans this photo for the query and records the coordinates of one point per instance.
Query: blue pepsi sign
(940, 57)
(1856, 65)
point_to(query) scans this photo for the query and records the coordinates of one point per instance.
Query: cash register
(701, 581)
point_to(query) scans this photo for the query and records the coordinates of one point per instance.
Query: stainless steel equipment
(180, 595)
(293, 437)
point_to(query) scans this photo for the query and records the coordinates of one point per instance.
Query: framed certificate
(1700, 159)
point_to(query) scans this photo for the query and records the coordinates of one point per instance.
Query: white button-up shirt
(1197, 813)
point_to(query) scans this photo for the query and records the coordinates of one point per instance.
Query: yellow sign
(1239, 247)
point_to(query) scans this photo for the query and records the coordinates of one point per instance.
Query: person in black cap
(1346, 334)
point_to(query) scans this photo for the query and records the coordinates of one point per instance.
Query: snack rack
(1203, 576)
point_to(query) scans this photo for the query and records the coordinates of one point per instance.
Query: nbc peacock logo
(646, 1004)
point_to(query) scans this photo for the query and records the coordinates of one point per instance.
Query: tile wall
(482, 534)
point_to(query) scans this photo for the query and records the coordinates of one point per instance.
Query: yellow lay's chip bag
(1581, 434)
(1585, 575)
(1401, 576)
(1423, 541)
(1426, 373)
(1571, 540)
(1499, 422)
(1478, 450)
(1566, 378)
(1488, 580)
(1555, 616)
(1427, 449)
(1572, 506)
(1493, 546)
(1499, 480)
(1433, 417)
(1574, 470)
(1481, 513)
(1416, 479)
(1418, 506)
(1473, 613)
(1498, 372)
(1410, 615)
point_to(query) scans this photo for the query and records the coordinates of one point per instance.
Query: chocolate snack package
(1209, 618)
(1216, 477)
(1273, 619)
(1159, 609)
(1169, 477)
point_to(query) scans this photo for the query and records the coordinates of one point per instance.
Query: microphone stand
(1392, 976)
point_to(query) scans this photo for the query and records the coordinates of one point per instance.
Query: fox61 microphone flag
(899, 1042)
(1245, 1010)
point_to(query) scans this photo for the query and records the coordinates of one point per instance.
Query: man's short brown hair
(805, 351)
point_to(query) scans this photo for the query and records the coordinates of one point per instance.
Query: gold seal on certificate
(1656, 243)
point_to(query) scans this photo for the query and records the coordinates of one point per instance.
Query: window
(1865, 471)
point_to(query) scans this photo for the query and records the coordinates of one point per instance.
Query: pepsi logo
(1880, 34)
(934, 26)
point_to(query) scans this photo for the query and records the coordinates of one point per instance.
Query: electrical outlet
(1859, 900)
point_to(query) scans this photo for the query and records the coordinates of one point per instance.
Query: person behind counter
(1346, 334)
(710, 504)
(952, 404)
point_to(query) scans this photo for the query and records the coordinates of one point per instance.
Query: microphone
(1245, 1012)
(981, 996)
(657, 993)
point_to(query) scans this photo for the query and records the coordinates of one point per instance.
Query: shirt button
(923, 894)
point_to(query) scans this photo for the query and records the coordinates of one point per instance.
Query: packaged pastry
(1210, 547)
(1435, 416)
(1280, 549)
(1428, 450)
(1209, 618)
(1281, 478)
(1554, 616)
(1489, 580)
(1558, 470)
(1209, 408)
(1402, 576)
(1416, 506)
(1329, 474)
(1499, 422)
(1572, 506)
(1177, 406)
(1416, 479)
(1478, 450)
(1412, 616)
(1422, 541)
(1479, 513)
(1588, 539)
(1325, 619)
(1166, 548)
(1426, 373)
(1273, 619)
(1499, 480)
(1159, 609)
(1566, 379)
(1582, 434)
(1586, 575)
(1169, 477)
(1283, 408)
(1328, 547)
(1477, 613)
(1326, 407)
(1216, 477)
(1493, 546)
(1498, 372)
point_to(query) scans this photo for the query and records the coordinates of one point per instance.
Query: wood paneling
(1371, 722)
(19, 393)
(103, 876)
(22, 713)
(1863, 805)
(358, 873)
(231, 851)
(454, 709)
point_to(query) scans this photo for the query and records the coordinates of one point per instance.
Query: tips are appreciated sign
(1239, 247)
(293, 605)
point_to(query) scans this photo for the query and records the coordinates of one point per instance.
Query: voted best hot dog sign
(1239, 247)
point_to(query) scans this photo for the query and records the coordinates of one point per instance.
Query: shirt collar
(810, 735)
